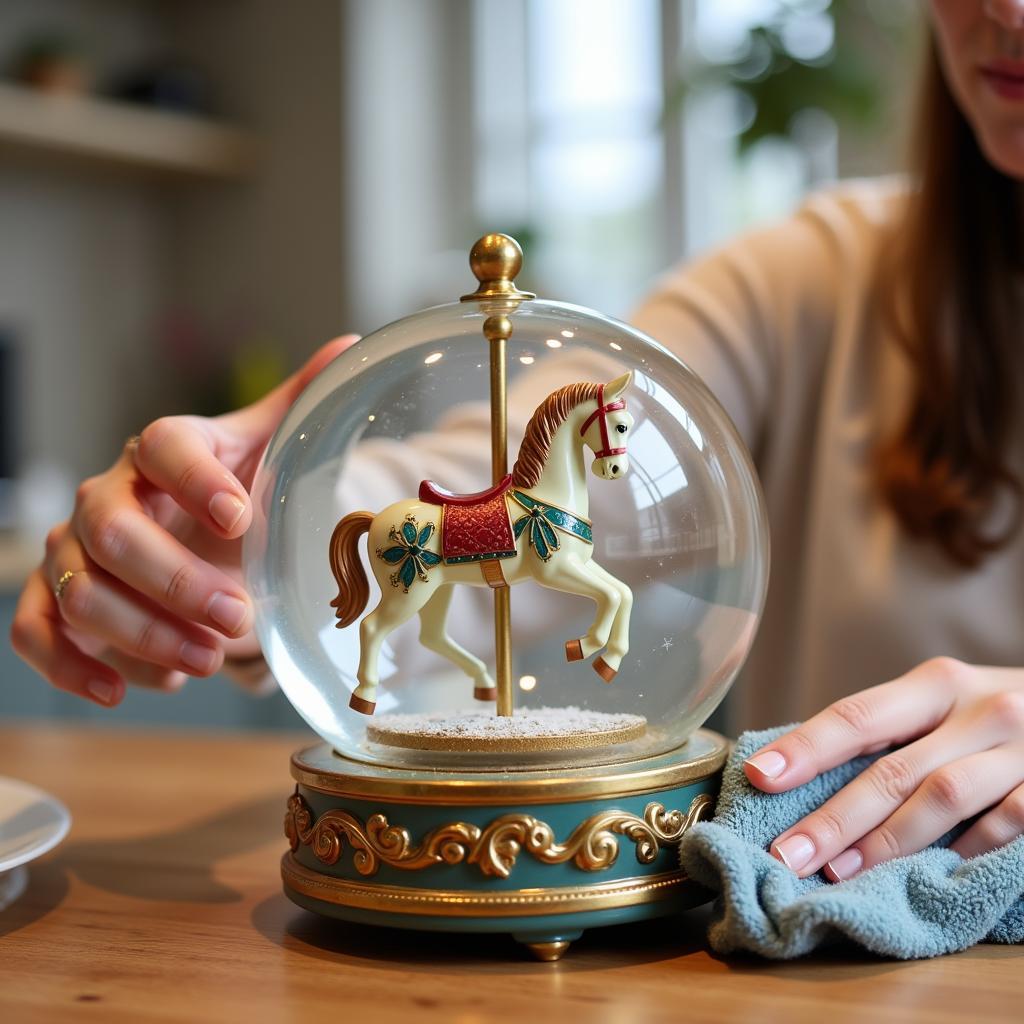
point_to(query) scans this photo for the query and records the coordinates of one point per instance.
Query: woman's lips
(1005, 79)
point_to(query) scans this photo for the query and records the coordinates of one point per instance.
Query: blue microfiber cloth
(922, 905)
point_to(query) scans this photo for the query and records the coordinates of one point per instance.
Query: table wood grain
(164, 904)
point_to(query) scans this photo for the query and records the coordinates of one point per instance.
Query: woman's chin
(1005, 151)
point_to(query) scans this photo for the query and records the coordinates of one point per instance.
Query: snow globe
(508, 556)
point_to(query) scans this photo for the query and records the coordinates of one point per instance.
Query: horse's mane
(547, 418)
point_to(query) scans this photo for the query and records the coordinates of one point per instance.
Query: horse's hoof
(573, 650)
(485, 692)
(604, 670)
(364, 707)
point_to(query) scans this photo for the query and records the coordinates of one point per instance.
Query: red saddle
(434, 495)
(474, 527)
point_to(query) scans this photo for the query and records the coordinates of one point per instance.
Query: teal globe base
(540, 855)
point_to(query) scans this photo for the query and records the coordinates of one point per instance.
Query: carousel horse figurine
(531, 525)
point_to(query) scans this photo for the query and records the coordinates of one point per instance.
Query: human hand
(963, 727)
(150, 558)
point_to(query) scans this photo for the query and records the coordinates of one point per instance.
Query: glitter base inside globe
(528, 729)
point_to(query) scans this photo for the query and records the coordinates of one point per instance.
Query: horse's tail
(347, 566)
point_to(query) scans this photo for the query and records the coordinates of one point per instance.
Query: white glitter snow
(526, 722)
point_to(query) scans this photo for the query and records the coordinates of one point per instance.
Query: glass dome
(677, 518)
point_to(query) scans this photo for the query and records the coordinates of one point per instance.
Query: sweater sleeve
(741, 315)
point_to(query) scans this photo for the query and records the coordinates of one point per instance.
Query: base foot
(604, 670)
(549, 951)
(364, 707)
(485, 693)
(547, 946)
(573, 650)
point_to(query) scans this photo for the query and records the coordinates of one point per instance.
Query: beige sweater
(781, 326)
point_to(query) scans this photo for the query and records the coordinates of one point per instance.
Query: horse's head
(605, 431)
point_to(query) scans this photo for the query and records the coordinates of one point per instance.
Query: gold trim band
(400, 899)
(319, 768)
(592, 845)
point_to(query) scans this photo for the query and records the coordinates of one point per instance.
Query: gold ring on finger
(62, 584)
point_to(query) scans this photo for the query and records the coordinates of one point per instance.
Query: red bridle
(601, 415)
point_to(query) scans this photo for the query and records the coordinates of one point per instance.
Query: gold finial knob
(495, 260)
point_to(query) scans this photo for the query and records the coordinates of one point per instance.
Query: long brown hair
(949, 296)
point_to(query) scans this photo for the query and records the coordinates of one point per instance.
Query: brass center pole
(497, 330)
(495, 260)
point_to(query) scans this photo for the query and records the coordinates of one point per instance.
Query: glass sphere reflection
(681, 523)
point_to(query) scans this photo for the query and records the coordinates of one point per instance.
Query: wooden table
(164, 904)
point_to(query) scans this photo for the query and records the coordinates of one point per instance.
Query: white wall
(92, 258)
(270, 248)
(80, 279)
(408, 108)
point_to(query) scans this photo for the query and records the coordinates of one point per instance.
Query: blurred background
(195, 194)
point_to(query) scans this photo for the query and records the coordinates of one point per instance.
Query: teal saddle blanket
(921, 905)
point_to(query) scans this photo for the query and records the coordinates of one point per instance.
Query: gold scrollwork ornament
(592, 845)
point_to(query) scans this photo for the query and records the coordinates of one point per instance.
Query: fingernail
(847, 864)
(771, 763)
(226, 510)
(227, 611)
(101, 690)
(794, 851)
(198, 657)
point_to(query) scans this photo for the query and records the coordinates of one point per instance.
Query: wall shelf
(90, 128)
